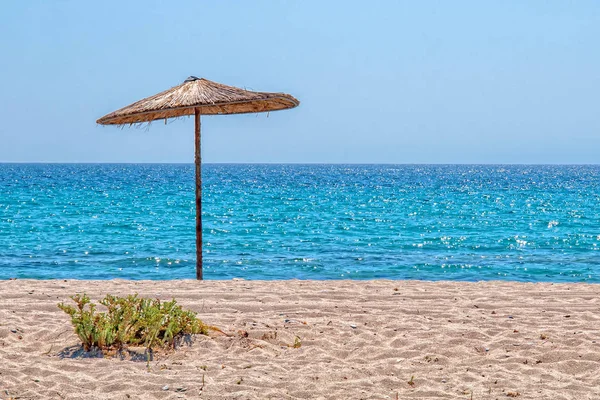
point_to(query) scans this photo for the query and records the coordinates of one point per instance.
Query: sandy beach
(358, 340)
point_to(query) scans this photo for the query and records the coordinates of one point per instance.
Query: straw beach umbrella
(198, 96)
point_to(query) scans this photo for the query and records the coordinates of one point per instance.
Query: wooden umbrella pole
(198, 162)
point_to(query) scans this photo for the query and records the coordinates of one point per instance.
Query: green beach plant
(131, 320)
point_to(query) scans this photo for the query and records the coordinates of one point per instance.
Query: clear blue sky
(379, 81)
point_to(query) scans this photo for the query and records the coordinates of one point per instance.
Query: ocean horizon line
(287, 163)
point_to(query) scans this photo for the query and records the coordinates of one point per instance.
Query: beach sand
(359, 339)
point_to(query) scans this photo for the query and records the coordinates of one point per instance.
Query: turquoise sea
(431, 222)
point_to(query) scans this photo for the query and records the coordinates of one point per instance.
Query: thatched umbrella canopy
(198, 96)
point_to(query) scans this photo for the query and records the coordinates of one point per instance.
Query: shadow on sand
(137, 354)
(131, 353)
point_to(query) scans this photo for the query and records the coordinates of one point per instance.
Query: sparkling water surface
(432, 222)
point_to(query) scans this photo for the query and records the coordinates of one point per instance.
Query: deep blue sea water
(432, 222)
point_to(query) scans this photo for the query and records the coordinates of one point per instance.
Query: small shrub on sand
(131, 320)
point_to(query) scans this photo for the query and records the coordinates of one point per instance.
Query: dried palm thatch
(198, 93)
(198, 96)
